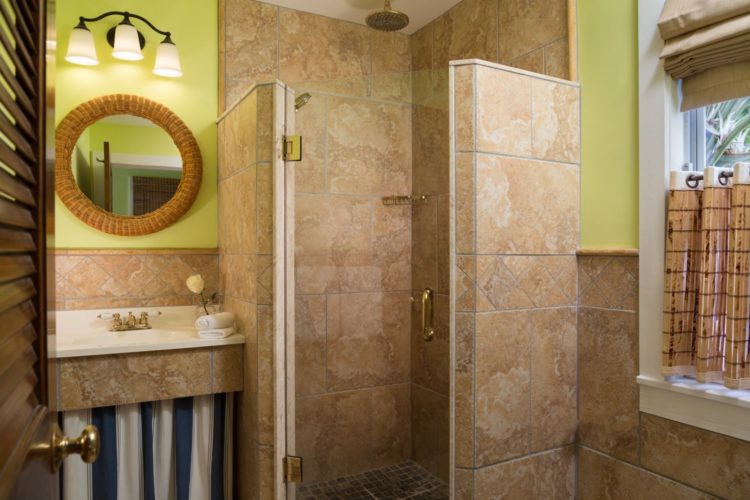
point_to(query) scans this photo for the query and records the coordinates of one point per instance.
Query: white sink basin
(82, 333)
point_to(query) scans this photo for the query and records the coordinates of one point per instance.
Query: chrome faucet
(130, 323)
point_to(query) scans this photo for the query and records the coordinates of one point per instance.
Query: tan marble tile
(556, 59)
(87, 277)
(391, 53)
(310, 344)
(136, 377)
(368, 340)
(264, 205)
(706, 460)
(350, 87)
(556, 121)
(430, 361)
(430, 143)
(465, 211)
(391, 424)
(237, 213)
(520, 282)
(608, 282)
(424, 245)
(344, 244)
(504, 112)
(466, 275)
(369, 150)
(319, 48)
(227, 369)
(310, 122)
(238, 274)
(332, 434)
(264, 268)
(233, 91)
(251, 40)
(465, 105)
(246, 318)
(526, 25)
(395, 87)
(467, 31)
(392, 252)
(600, 476)
(533, 61)
(430, 430)
(608, 394)
(554, 378)
(549, 475)
(464, 390)
(502, 386)
(265, 119)
(525, 206)
(238, 137)
(421, 63)
(266, 468)
(265, 376)
(464, 484)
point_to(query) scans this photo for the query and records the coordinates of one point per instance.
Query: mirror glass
(126, 165)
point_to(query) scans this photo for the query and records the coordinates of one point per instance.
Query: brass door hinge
(293, 147)
(292, 469)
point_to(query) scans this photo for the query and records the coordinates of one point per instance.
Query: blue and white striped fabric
(178, 449)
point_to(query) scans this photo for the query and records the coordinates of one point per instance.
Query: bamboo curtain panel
(707, 45)
(707, 278)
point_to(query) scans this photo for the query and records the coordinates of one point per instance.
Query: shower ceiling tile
(420, 12)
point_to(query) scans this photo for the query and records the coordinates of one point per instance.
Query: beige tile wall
(245, 258)
(353, 255)
(625, 453)
(516, 211)
(377, 125)
(472, 29)
(98, 279)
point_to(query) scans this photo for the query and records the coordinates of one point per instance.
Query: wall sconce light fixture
(126, 42)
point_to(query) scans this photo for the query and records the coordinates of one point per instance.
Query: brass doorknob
(86, 445)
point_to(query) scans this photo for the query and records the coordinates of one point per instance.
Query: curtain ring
(693, 178)
(724, 177)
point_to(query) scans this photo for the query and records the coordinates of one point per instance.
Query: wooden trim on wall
(136, 251)
(607, 251)
(222, 55)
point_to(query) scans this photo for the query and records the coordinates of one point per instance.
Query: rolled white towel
(213, 321)
(216, 333)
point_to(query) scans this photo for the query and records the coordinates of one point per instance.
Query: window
(669, 139)
(718, 134)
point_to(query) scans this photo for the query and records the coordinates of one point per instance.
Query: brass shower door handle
(428, 314)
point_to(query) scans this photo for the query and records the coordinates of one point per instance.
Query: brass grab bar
(428, 314)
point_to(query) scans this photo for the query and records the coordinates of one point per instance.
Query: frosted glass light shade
(81, 48)
(127, 45)
(167, 60)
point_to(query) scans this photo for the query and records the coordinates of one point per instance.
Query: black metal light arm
(126, 15)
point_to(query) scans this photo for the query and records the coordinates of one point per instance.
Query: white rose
(195, 283)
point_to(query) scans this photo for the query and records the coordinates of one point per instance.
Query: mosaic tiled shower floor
(401, 481)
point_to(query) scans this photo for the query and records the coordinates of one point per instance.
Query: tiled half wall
(516, 185)
(100, 279)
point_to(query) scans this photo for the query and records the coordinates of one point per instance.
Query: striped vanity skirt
(177, 449)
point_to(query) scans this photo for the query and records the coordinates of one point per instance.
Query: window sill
(707, 406)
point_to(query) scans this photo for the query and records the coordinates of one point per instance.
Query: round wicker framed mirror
(67, 188)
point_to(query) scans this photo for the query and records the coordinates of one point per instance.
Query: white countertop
(82, 333)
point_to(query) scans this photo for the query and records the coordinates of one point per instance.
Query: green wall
(608, 65)
(193, 97)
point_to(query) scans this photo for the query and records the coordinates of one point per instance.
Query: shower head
(387, 19)
(301, 100)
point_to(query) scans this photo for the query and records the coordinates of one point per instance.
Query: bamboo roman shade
(706, 331)
(707, 46)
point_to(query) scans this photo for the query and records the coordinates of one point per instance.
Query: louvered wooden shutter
(23, 301)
